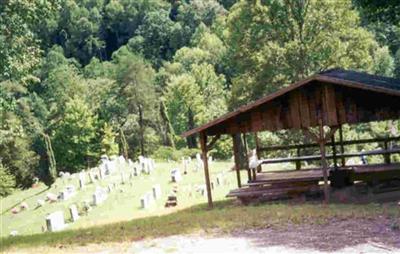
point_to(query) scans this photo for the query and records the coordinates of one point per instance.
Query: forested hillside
(81, 78)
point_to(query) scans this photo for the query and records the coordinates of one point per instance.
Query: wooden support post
(258, 150)
(341, 146)
(237, 159)
(203, 143)
(298, 162)
(334, 151)
(387, 155)
(247, 158)
(324, 163)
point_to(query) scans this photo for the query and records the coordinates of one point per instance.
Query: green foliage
(151, 69)
(276, 43)
(19, 47)
(108, 145)
(7, 181)
(51, 175)
(73, 144)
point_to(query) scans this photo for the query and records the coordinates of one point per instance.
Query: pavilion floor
(309, 182)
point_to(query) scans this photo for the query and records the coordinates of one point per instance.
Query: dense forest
(81, 78)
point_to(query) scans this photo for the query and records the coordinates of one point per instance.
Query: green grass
(120, 219)
(120, 206)
(227, 216)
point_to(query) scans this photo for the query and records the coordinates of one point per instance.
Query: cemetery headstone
(220, 179)
(176, 175)
(157, 191)
(14, 233)
(123, 180)
(144, 202)
(24, 206)
(40, 202)
(99, 196)
(73, 210)
(51, 197)
(81, 184)
(150, 198)
(55, 221)
(110, 188)
(171, 201)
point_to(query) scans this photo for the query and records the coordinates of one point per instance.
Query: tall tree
(136, 80)
(273, 43)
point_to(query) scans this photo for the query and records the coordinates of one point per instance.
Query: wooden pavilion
(327, 99)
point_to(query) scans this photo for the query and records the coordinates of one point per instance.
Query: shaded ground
(377, 235)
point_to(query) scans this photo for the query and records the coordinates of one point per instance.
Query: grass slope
(226, 217)
(123, 203)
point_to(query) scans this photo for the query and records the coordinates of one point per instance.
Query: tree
(135, 78)
(276, 43)
(7, 181)
(19, 46)
(108, 145)
(192, 80)
(158, 37)
(123, 18)
(74, 137)
(16, 150)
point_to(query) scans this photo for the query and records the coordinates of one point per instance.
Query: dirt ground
(339, 236)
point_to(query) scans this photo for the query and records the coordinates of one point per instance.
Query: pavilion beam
(246, 152)
(203, 144)
(333, 142)
(324, 163)
(258, 150)
(236, 158)
(322, 138)
(341, 146)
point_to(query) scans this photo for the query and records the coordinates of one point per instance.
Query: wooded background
(81, 78)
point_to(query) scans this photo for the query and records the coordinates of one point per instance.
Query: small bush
(7, 182)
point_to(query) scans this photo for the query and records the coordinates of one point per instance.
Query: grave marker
(176, 175)
(157, 191)
(73, 210)
(144, 202)
(55, 221)
(99, 196)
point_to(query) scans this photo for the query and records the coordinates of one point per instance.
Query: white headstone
(55, 221)
(144, 202)
(176, 175)
(74, 213)
(157, 191)
(51, 197)
(199, 162)
(81, 184)
(123, 179)
(149, 197)
(185, 164)
(40, 202)
(220, 179)
(99, 196)
(110, 188)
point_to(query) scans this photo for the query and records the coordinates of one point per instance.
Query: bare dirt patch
(377, 235)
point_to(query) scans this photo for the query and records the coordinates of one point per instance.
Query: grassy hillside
(123, 202)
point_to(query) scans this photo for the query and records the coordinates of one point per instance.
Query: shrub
(7, 181)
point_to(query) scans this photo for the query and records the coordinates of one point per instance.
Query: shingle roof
(364, 78)
(358, 80)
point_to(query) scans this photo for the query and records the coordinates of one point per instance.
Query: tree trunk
(169, 131)
(141, 130)
(191, 141)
